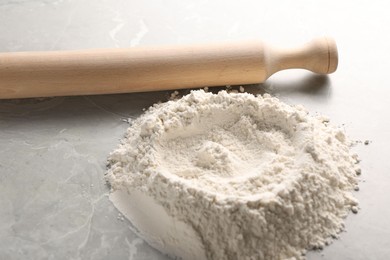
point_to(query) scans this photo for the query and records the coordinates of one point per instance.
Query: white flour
(233, 176)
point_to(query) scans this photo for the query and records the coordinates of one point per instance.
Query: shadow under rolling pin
(108, 71)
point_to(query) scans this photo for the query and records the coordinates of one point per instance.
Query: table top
(53, 199)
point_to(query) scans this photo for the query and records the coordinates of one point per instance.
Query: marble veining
(53, 199)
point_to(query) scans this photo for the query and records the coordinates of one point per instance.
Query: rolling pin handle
(319, 56)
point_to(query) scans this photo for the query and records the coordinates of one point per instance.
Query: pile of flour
(233, 176)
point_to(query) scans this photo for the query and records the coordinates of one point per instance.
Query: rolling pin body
(105, 71)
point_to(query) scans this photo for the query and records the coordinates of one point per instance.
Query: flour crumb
(120, 217)
(127, 120)
(174, 95)
(358, 171)
(242, 89)
(243, 176)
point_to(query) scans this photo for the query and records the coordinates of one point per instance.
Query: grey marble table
(53, 199)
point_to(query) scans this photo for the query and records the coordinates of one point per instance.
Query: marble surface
(53, 200)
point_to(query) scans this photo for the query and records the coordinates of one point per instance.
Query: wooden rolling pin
(104, 71)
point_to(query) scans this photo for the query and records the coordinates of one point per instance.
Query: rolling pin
(106, 71)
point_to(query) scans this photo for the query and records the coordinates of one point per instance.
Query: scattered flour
(233, 176)
(174, 95)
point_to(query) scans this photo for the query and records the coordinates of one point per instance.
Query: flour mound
(251, 177)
